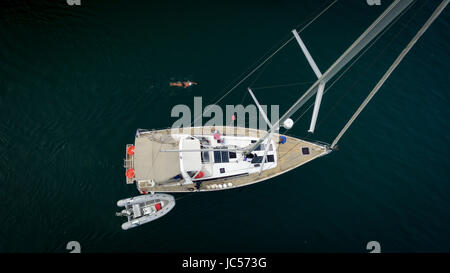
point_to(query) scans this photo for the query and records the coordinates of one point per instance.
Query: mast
(394, 65)
(371, 32)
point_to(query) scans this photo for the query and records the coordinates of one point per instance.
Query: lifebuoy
(129, 173)
(200, 174)
(130, 150)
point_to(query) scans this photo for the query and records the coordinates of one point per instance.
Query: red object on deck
(129, 173)
(130, 150)
(200, 174)
(158, 206)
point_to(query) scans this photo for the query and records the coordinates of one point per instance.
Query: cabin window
(205, 157)
(305, 150)
(225, 158)
(217, 157)
(257, 159)
(221, 156)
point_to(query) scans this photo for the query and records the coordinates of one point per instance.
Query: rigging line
(307, 25)
(243, 98)
(270, 56)
(254, 70)
(260, 73)
(363, 40)
(354, 61)
(242, 101)
(258, 61)
(394, 65)
(281, 85)
(337, 79)
(351, 64)
(246, 77)
(373, 63)
(276, 51)
(341, 75)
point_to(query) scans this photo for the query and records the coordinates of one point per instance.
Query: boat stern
(128, 163)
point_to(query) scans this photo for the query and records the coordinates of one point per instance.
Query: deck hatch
(191, 160)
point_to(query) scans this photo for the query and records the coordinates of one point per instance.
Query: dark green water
(76, 82)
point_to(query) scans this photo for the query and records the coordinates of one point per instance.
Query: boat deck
(292, 154)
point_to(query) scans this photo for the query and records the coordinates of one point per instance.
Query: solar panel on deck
(270, 158)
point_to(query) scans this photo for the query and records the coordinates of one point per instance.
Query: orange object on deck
(129, 173)
(200, 174)
(130, 150)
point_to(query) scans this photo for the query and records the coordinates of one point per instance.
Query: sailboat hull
(293, 153)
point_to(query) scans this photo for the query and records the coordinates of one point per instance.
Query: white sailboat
(211, 158)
